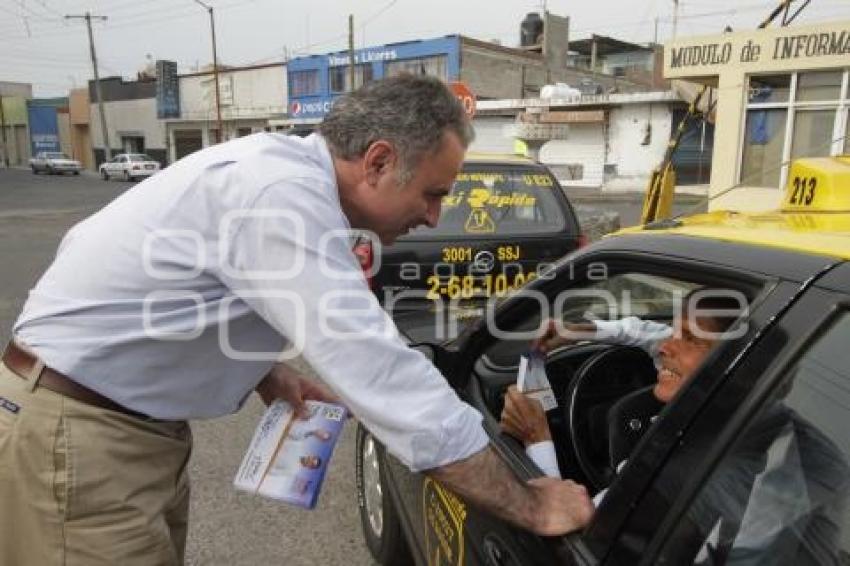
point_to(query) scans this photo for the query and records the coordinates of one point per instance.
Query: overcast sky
(37, 45)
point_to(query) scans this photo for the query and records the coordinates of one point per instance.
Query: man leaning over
(157, 310)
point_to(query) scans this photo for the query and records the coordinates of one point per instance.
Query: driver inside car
(704, 315)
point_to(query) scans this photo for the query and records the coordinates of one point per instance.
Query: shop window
(771, 88)
(824, 86)
(436, 66)
(304, 83)
(763, 142)
(792, 116)
(812, 133)
(339, 77)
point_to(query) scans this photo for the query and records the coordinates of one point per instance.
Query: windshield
(499, 199)
(138, 157)
(54, 155)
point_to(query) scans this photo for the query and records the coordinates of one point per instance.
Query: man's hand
(563, 506)
(545, 506)
(549, 337)
(283, 382)
(524, 418)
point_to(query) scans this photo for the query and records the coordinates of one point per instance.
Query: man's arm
(546, 506)
(327, 312)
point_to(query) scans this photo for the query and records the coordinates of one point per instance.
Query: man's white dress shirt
(631, 331)
(175, 299)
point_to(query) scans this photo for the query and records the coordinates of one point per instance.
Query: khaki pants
(85, 486)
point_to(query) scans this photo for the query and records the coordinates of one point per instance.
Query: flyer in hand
(532, 380)
(288, 457)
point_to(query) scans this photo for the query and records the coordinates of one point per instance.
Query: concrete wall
(249, 98)
(584, 147)
(63, 122)
(78, 106)
(129, 118)
(24, 90)
(630, 160)
(14, 110)
(490, 135)
(496, 74)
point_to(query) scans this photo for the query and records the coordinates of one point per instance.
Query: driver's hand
(524, 418)
(554, 334)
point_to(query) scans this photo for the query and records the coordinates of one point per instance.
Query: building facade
(131, 118)
(14, 124)
(491, 71)
(79, 114)
(49, 125)
(248, 96)
(782, 93)
(610, 141)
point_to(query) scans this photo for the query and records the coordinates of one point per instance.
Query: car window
(781, 495)
(623, 295)
(54, 155)
(139, 157)
(604, 296)
(499, 200)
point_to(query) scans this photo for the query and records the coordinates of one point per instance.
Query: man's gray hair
(411, 112)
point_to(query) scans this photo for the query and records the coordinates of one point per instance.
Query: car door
(760, 476)
(481, 538)
(443, 530)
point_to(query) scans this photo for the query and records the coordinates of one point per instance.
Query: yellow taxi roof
(814, 217)
(497, 157)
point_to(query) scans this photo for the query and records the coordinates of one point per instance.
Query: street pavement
(227, 528)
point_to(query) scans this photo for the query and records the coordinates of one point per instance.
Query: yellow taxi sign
(818, 184)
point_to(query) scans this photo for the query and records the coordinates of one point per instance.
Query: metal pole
(107, 150)
(351, 50)
(3, 130)
(219, 136)
(675, 17)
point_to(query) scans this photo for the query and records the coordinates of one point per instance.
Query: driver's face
(681, 355)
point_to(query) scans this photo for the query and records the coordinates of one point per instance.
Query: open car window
(618, 296)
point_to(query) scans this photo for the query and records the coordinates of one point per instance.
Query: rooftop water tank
(530, 30)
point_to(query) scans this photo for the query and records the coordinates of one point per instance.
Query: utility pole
(220, 132)
(107, 150)
(675, 17)
(655, 33)
(3, 130)
(351, 50)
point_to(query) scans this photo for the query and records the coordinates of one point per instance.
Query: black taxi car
(505, 217)
(750, 461)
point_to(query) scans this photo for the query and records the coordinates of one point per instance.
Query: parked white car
(129, 166)
(52, 162)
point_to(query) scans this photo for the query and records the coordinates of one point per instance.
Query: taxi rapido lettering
(480, 197)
